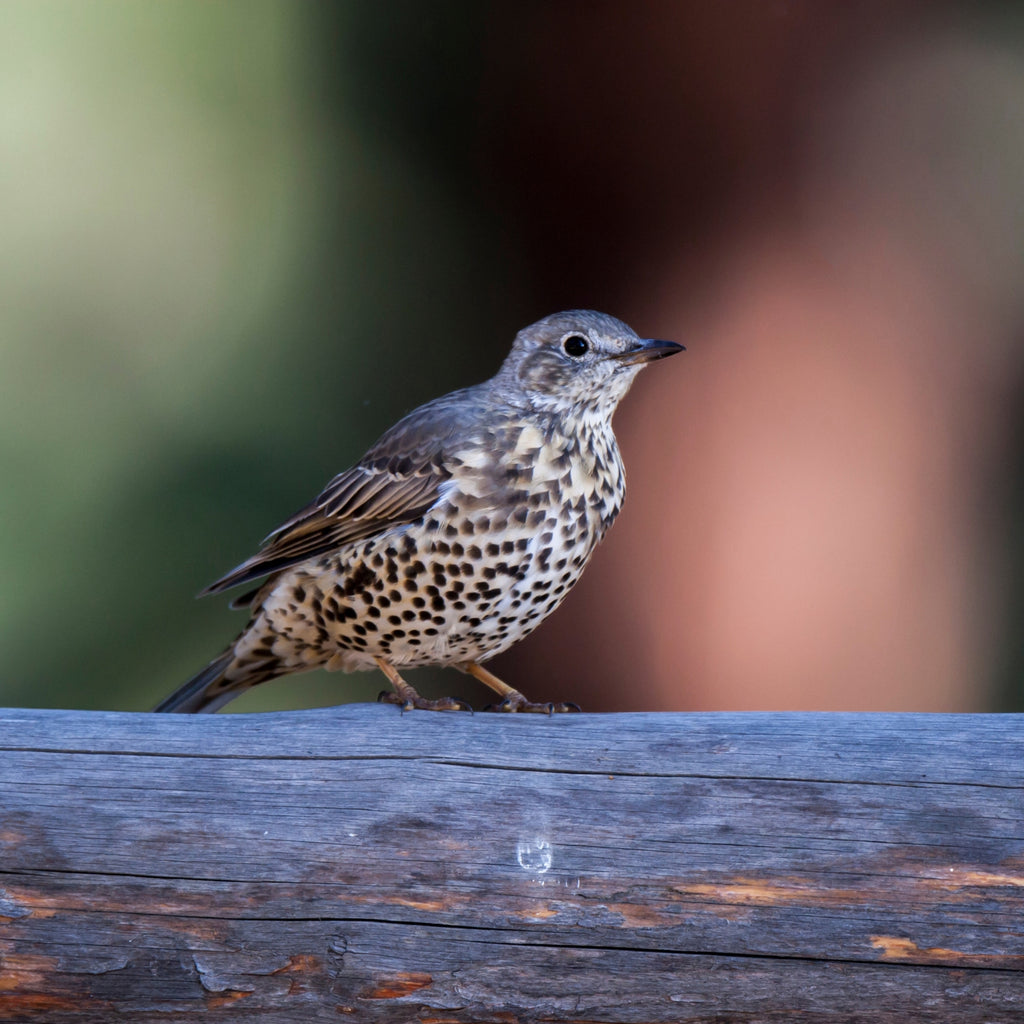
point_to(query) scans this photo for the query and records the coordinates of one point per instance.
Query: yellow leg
(512, 699)
(408, 699)
(471, 668)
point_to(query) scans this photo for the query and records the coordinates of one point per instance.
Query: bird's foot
(408, 699)
(516, 702)
(412, 700)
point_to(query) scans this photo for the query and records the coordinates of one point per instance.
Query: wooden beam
(357, 863)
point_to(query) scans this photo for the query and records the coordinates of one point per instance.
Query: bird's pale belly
(429, 594)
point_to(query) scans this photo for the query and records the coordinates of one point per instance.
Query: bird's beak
(647, 351)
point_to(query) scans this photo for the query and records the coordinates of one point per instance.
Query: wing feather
(398, 480)
(349, 509)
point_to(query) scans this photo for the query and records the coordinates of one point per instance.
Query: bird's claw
(414, 701)
(518, 703)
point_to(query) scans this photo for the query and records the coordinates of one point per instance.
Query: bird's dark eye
(575, 346)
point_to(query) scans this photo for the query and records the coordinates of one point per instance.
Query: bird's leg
(512, 700)
(407, 698)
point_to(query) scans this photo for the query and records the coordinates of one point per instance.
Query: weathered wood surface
(360, 864)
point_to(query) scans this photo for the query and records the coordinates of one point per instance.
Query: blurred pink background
(813, 485)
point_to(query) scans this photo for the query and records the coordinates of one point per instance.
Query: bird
(454, 536)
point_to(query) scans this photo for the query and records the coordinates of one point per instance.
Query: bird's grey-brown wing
(395, 483)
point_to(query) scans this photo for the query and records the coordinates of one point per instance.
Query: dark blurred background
(241, 238)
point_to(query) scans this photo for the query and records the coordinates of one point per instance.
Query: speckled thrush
(456, 534)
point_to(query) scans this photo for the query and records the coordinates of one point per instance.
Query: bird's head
(578, 360)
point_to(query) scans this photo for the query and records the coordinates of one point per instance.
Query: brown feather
(341, 515)
(395, 483)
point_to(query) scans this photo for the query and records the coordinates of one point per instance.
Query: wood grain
(359, 864)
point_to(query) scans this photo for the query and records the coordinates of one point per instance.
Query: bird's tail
(208, 689)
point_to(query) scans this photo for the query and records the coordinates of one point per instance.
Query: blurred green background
(241, 237)
(236, 248)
